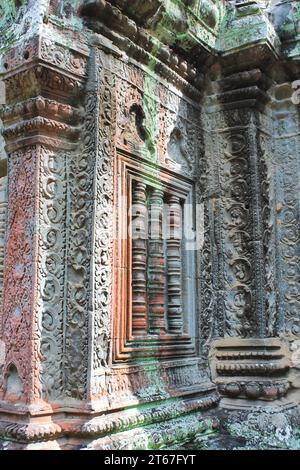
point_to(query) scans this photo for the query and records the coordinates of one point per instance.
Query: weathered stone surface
(149, 224)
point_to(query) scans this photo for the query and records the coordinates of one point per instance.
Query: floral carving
(19, 321)
(52, 269)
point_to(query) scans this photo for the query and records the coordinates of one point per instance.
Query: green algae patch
(9, 11)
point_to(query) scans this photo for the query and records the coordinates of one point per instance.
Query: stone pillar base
(150, 426)
(168, 425)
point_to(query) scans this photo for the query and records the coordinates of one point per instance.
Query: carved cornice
(142, 45)
(160, 435)
(42, 107)
(246, 89)
(190, 24)
(247, 26)
(44, 50)
(42, 131)
(43, 67)
(40, 80)
(198, 30)
(252, 93)
(246, 78)
(180, 61)
(158, 57)
(44, 83)
(41, 120)
(63, 57)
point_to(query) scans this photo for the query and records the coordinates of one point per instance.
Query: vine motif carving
(237, 193)
(248, 268)
(52, 241)
(235, 183)
(268, 189)
(287, 236)
(20, 330)
(208, 270)
(91, 229)
(103, 212)
(80, 175)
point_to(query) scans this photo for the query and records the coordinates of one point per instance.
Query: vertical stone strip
(100, 135)
(228, 216)
(239, 203)
(19, 323)
(3, 210)
(80, 174)
(209, 269)
(256, 167)
(174, 263)
(287, 165)
(268, 195)
(139, 261)
(156, 273)
(52, 247)
(240, 316)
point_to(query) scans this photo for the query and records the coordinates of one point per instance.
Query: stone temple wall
(149, 223)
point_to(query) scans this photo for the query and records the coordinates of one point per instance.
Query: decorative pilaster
(42, 129)
(3, 210)
(246, 267)
(99, 149)
(237, 203)
(284, 164)
(174, 263)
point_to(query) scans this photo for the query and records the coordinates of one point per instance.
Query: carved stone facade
(149, 219)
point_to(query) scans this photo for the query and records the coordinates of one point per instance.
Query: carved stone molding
(250, 368)
(190, 416)
(167, 433)
(62, 57)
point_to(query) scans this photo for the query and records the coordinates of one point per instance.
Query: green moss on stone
(9, 11)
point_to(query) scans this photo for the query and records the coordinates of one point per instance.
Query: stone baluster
(157, 321)
(175, 319)
(139, 262)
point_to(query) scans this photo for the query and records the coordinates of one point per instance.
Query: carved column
(139, 262)
(157, 321)
(244, 265)
(42, 123)
(174, 263)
